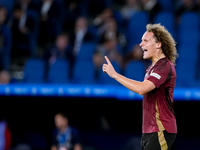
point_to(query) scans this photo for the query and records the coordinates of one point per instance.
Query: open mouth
(144, 50)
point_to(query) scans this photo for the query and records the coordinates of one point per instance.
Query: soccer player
(159, 122)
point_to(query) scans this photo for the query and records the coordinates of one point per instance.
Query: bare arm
(135, 86)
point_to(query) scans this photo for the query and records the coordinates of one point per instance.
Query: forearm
(135, 86)
(132, 85)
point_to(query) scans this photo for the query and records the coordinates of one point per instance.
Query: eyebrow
(145, 40)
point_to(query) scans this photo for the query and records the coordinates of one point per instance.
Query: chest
(149, 71)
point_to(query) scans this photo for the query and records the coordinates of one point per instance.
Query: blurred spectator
(81, 34)
(111, 31)
(30, 5)
(185, 5)
(3, 14)
(4, 77)
(129, 9)
(31, 9)
(107, 27)
(198, 4)
(60, 50)
(5, 135)
(50, 22)
(102, 17)
(22, 26)
(152, 7)
(109, 49)
(65, 137)
(135, 54)
(5, 41)
(73, 10)
(25, 4)
(95, 7)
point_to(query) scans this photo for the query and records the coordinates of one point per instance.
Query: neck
(157, 57)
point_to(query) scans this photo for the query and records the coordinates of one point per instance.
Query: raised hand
(108, 68)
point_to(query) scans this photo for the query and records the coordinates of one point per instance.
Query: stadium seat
(135, 70)
(189, 37)
(34, 71)
(166, 19)
(136, 28)
(189, 28)
(188, 53)
(186, 65)
(186, 72)
(188, 45)
(104, 78)
(86, 52)
(189, 21)
(166, 5)
(59, 71)
(83, 72)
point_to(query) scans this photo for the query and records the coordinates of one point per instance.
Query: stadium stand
(34, 71)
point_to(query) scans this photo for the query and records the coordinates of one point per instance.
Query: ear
(158, 45)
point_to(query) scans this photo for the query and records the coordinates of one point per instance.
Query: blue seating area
(187, 37)
(187, 45)
(184, 29)
(188, 49)
(136, 28)
(86, 52)
(166, 18)
(59, 72)
(135, 70)
(83, 72)
(34, 71)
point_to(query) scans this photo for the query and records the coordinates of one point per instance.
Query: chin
(145, 57)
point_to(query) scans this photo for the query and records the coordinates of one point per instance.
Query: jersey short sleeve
(159, 74)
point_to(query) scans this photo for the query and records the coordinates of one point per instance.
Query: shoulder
(163, 65)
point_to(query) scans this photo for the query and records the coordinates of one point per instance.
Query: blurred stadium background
(43, 73)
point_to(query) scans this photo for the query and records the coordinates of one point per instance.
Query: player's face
(148, 45)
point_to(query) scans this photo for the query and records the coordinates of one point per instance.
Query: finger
(104, 71)
(107, 60)
(104, 68)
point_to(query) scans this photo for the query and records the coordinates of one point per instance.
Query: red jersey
(158, 113)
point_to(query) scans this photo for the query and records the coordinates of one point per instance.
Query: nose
(141, 44)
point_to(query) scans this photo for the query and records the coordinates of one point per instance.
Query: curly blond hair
(168, 44)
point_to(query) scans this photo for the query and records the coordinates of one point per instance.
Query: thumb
(107, 60)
